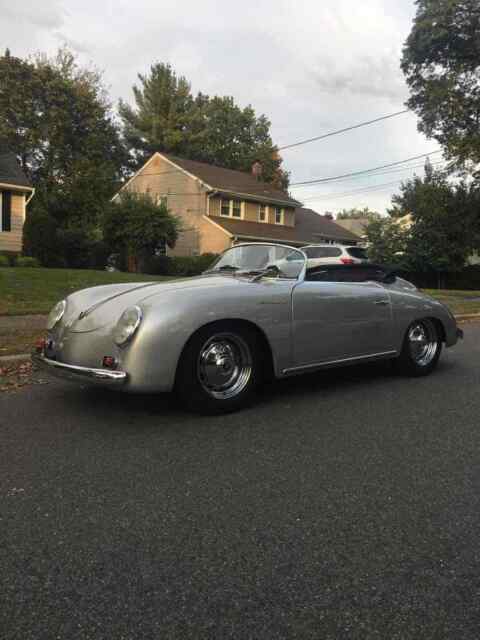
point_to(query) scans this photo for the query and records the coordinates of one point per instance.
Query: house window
(278, 215)
(236, 209)
(162, 248)
(5, 210)
(231, 208)
(262, 213)
(225, 208)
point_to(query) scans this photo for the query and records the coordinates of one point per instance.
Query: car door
(337, 320)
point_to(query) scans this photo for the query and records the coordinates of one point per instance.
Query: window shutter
(6, 211)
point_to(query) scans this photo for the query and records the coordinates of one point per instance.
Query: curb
(15, 357)
(465, 317)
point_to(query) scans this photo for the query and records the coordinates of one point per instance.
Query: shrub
(4, 261)
(26, 261)
(181, 266)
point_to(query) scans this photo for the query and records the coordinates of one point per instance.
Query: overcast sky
(310, 66)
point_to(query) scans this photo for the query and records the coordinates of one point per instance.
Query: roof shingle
(230, 181)
(310, 227)
(11, 172)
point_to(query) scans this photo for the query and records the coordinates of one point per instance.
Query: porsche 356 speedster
(260, 311)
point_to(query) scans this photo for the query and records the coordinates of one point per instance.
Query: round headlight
(127, 324)
(56, 314)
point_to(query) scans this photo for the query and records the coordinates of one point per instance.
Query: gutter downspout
(30, 197)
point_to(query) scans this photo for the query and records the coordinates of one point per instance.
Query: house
(15, 193)
(220, 207)
(356, 226)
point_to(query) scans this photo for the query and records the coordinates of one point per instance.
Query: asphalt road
(344, 505)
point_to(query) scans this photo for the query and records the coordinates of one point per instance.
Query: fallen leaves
(15, 375)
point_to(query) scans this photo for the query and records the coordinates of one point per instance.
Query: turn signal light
(40, 345)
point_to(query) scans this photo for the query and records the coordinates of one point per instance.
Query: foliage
(55, 116)
(134, 224)
(166, 117)
(25, 261)
(358, 214)
(386, 241)
(445, 225)
(180, 266)
(441, 61)
(4, 261)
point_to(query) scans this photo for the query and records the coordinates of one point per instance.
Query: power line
(332, 196)
(335, 133)
(357, 173)
(384, 173)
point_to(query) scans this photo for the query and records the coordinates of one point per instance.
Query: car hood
(90, 309)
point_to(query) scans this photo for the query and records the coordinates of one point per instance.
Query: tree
(135, 225)
(441, 61)
(358, 214)
(160, 120)
(386, 241)
(56, 117)
(445, 223)
(166, 117)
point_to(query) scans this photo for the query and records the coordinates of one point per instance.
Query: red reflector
(109, 362)
(40, 345)
(346, 260)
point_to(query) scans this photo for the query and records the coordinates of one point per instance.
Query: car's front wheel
(220, 369)
(421, 349)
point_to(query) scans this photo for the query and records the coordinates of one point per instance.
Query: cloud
(309, 66)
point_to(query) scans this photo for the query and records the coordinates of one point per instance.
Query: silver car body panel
(308, 325)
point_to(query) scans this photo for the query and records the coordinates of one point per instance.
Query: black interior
(350, 273)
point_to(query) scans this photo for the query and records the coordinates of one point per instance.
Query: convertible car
(258, 312)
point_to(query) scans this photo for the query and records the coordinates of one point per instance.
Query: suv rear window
(322, 252)
(357, 252)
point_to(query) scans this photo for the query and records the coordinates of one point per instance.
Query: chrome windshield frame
(301, 274)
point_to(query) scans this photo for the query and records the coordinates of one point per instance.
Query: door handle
(382, 303)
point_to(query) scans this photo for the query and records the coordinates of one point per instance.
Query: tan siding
(186, 198)
(12, 240)
(212, 238)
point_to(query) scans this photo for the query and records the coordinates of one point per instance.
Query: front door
(340, 320)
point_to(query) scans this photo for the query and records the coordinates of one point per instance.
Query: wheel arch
(268, 360)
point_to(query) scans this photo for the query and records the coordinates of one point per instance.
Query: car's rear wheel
(220, 369)
(421, 349)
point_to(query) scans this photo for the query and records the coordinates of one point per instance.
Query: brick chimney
(257, 170)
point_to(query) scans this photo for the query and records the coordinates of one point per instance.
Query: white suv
(319, 254)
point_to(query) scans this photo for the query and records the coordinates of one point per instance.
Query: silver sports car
(258, 312)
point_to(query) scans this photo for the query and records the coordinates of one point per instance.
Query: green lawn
(34, 291)
(458, 301)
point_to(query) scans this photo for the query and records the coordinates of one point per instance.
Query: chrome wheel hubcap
(224, 365)
(423, 342)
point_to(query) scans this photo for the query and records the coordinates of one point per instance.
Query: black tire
(221, 369)
(421, 349)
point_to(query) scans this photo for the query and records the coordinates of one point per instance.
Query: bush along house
(15, 194)
(220, 207)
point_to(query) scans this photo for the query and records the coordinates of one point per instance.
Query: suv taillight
(347, 261)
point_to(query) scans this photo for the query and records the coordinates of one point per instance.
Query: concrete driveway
(344, 505)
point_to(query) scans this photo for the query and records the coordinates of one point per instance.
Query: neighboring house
(220, 207)
(15, 193)
(356, 226)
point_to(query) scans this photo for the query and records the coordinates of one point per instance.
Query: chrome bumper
(80, 374)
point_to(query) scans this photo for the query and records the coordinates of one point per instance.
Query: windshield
(254, 259)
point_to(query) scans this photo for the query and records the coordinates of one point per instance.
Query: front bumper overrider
(75, 373)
